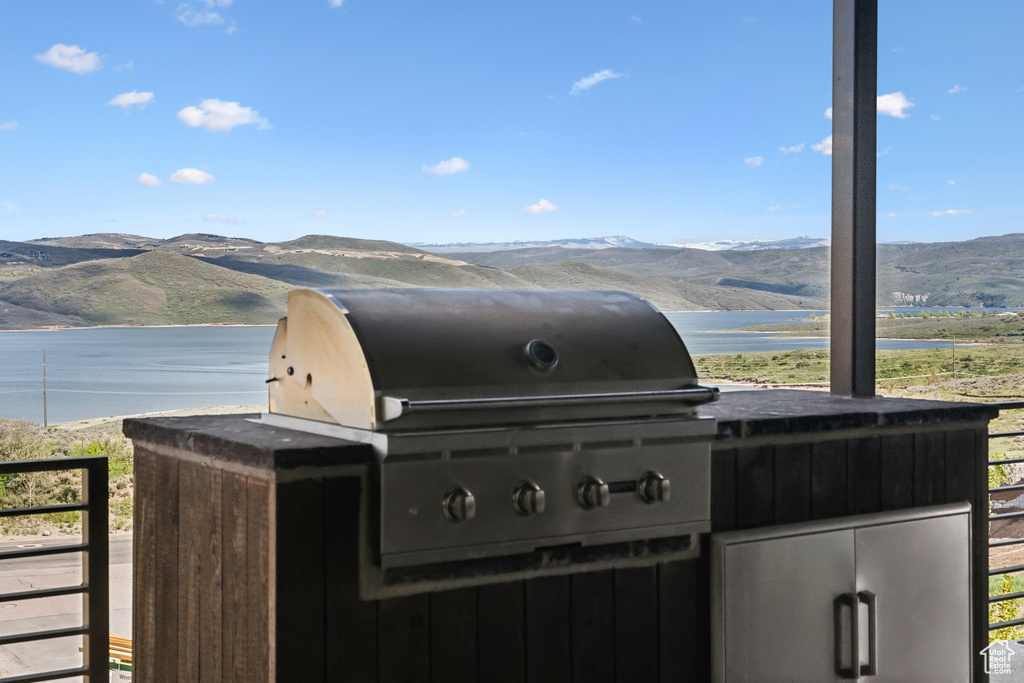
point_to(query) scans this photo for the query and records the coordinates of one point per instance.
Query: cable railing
(95, 585)
(995, 516)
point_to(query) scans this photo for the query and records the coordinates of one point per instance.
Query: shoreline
(105, 327)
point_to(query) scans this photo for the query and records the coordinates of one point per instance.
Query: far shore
(57, 328)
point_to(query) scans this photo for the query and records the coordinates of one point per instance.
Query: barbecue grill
(506, 424)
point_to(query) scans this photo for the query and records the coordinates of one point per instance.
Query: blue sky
(451, 121)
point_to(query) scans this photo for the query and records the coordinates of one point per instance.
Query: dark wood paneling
(723, 490)
(211, 616)
(863, 469)
(593, 636)
(636, 624)
(828, 479)
(755, 491)
(351, 623)
(453, 636)
(678, 623)
(190, 556)
(792, 483)
(896, 467)
(165, 660)
(403, 640)
(929, 468)
(548, 629)
(259, 503)
(500, 632)
(960, 465)
(299, 564)
(144, 564)
(701, 667)
(235, 580)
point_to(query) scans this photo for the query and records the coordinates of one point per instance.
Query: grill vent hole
(309, 381)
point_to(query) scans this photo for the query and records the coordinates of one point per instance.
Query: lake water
(124, 371)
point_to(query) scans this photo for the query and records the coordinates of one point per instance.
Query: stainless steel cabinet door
(919, 572)
(777, 607)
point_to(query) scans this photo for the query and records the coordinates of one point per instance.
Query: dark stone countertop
(233, 438)
(745, 414)
(740, 414)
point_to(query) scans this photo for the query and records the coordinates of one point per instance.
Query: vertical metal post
(854, 105)
(96, 600)
(44, 389)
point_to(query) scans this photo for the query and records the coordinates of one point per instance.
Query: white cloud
(191, 176)
(217, 3)
(894, 104)
(590, 81)
(540, 207)
(219, 217)
(448, 167)
(150, 180)
(456, 214)
(196, 18)
(127, 66)
(336, 3)
(825, 146)
(893, 214)
(951, 182)
(951, 212)
(777, 207)
(753, 162)
(883, 153)
(322, 213)
(635, 19)
(795, 206)
(216, 115)
(791, 150)
(70, 58)
(957, 89)
(128, 99)
(10, 125)
(936, 117)
(9, 207)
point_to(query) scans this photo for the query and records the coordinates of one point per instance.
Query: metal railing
(95, 586)
(1002, 543)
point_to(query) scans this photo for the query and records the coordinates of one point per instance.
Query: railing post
(854, 114)
(96, 600)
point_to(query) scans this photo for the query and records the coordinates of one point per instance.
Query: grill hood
(407, 359)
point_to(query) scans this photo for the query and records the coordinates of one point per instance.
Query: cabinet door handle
(871, 668)
(847, 600)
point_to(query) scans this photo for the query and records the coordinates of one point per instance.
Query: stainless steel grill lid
(402, 359)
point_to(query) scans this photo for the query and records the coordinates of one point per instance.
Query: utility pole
(954, 356)
(44, 388)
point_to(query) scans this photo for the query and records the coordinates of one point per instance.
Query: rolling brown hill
(199, 278)
(153, 288)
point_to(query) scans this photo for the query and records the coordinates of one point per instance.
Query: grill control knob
(459, 505)
(593, 493)
(528, 499)
(654, 488)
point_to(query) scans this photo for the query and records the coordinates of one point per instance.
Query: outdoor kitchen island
(247, 541)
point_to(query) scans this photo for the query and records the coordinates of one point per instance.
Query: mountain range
(619, 241)
(107, 279)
